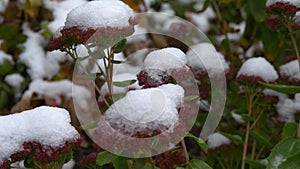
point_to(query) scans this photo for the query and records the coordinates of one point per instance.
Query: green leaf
(90, 126)
(286, 148)
(139, 163)
(255, 164)
(287, 89)
(257, 9)
(191, 98)
(29, 162)
(120, 163)
(271, 43)
(124, 83)
(120, 46)
(3, 99)
(261, 138)
(179, 168)
(68, 156)
(120, 61)
(92, 76)
(105, 158)
(200, 142)
(290, 130)
(6, 67)
(148, 166)
(247, 117)
(233, 138)
(198, 164)
(291, 163)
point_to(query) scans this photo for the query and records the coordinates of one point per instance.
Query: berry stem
(294, 42)
(185, 150)
(298, 135)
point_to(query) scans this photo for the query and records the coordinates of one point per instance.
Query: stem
(250, 98)
(294, 42)
(245, 145)
(151, 162)
(185, 150)
(298, 134)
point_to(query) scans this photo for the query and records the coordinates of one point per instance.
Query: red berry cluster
(282, 8)
(169, 160)
(74, 36)
(147, 81)
(44, 154)
(280, 12)
(273, 22)
(253, 79)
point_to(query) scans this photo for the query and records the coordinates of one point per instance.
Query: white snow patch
(119, 78)
(287, 108)
(48, 126)
(291, 70)
(270, 92)
(5, 56)
(147, 108)
(216, 139)
(138, 35)
(3, 5)
(202, 19)
(60, 9)
(292, 2)
(60, 88)
(15, 80)
(165, 59)
(204, 57)
(69, 165)
(258, 67)
(39, 66)
(238, 118)
(279, 159)
(102, 13)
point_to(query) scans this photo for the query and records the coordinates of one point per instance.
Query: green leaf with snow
(124, 83)
(233, 138)
(286, 148)
(200, 142)
(291, 163)
(198, 164)
(287, 89)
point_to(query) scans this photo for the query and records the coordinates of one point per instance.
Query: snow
(216, 139)
(59, 88)
(238, 118)
(287, 108)
(15, 80)
(119, 78)
(138, 35)
(60, 9)
(165, 59)
(236, 35)
(4, 56)
(270, 92)
(292, 2)
(48, 126)
(147, 108)
(202, 19)
(278, 160)
(204, 57)
(69, 165)
(290, 70)
(3, 5)
(258, 67)
(102, 13)
(39, 66)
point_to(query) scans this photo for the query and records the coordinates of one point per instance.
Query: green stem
(298, 135)
(185, 150)
(293, 42)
